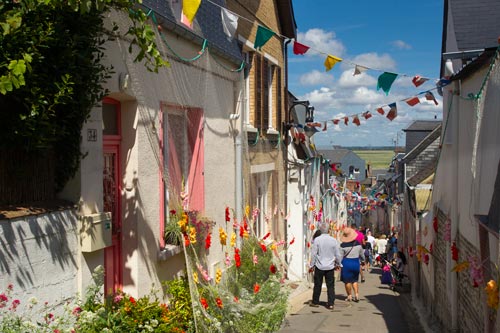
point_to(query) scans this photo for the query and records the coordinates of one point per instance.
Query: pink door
(113, 279)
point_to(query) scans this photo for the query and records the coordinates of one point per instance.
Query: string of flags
(264, 34)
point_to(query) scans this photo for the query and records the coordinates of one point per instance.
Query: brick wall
(471, 306)
(441, 306)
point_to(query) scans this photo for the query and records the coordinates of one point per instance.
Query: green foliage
(51, 71)
(180, 304)
(378, 159)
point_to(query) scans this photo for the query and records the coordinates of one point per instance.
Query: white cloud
(375, 61)
(316, 78)
(321, 40)
(401, 45)
(348, 80)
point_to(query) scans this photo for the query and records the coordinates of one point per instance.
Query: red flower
(219, 302)
(237, 257)
(186, 240)
(266, 236)
(272, 268)
(454, 251)
(132, 300)
(430, 248)
(204, 303)
(292, 241)
(228, 216)
(242, 231)
(208, 241)
(308, 245)
(263, 247)
(256, 288)
(236, 299)
(172, 212)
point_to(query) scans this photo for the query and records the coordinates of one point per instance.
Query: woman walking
(352, 253)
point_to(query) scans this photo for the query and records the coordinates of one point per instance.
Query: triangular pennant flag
(367, 115)
(335, 121)
(393, 112)
(229, 22)
(263, 35)
(356, 121)
(346, 120)
(325, 126)
(430, 97)
(330, 61)
(359, 69)
(412, 101)
(381, 111)
(299, 48)
(189, 8)
(418, 81)
(385, 81)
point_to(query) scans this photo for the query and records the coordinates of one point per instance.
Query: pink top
(361, 237)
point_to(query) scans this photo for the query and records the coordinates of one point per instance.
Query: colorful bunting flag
(359, 70)
(263, 35)
(299, 48)
(430, 97)
(335, 121)
(229, 22)
(330, 61)
(367, 115)
(189, 9)
(412, 101)
(346, 120)
(393, 112)
(325, 126)
(356, 121)
(418, 80)
(385, 81)
(381, 111)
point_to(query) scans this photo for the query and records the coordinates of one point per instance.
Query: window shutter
(265, 94)
(279, 95)
(258, 91)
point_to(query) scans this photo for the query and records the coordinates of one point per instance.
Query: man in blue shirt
(325, 258)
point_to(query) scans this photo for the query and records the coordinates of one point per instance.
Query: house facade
(456, 250)
(265, 102)
(353, 166)
(158, 141)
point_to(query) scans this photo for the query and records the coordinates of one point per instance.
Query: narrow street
(379, 310)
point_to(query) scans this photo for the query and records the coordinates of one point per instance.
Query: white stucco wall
(39, 256)
(199, 84)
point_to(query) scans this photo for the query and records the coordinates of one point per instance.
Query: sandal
(348, 298)
(329, 306)
(356, 299)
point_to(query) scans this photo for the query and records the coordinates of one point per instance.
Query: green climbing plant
(52, 74)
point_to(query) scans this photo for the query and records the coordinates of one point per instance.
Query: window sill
(169, 251)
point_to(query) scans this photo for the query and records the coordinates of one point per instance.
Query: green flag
(385, 81)
(263, 35)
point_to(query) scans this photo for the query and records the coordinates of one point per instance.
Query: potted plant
(173, 233)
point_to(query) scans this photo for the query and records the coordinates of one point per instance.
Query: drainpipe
(240, 113)
(284, 132)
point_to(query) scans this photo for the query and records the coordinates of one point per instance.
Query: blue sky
(396, 36)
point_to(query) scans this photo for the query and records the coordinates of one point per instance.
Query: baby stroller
(391, 275)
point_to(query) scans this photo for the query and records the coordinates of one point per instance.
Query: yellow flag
(189, 8)
(330, 61)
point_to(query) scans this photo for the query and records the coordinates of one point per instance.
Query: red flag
(393, 112)
(367, 115)
(356, 121)
(335, 121)
(430, 97)
(299, 48)
(346, 120)
(325, 126)
(418, 81)
(412, 101)
(381, 111)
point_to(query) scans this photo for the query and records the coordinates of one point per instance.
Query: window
(183, 158)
